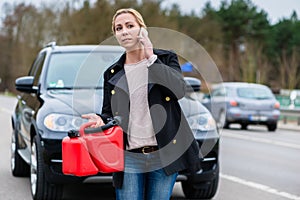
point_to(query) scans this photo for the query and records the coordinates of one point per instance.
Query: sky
(276, 9)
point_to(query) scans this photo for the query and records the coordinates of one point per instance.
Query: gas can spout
(118, 120)
(73, 133)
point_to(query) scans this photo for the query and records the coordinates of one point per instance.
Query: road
(255, 164)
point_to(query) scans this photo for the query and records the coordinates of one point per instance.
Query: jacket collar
(119, 79)
(120, 63)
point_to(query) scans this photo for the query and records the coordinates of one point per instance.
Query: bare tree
(293, 69)
(289, 68)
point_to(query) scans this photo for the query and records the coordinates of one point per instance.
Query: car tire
(272, 127)
(40, 188)
(19, 167)
(205, 190)
(244, 126)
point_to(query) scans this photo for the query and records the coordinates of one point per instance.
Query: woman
(143, 88)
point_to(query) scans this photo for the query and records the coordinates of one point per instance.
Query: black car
(63, 83)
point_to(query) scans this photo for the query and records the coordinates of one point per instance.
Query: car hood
(73, 101)
(90, 101)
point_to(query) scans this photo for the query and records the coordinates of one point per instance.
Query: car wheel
(244, 126)
(205, 190)
(40, 188)
(272, 127)
(19, 167)
(222, 122)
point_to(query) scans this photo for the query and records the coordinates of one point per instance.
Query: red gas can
(106, 148)
(76, 158)
(93, 152)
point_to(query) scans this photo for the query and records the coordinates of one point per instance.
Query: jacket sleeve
(166, 71)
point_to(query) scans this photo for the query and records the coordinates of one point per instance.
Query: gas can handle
(86, 130)
(85, 126)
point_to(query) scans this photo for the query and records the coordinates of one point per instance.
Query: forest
(238, 35)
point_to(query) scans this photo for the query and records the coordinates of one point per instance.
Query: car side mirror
(25, 84)
(193, 84)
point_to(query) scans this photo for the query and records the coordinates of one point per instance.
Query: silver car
(243, 103)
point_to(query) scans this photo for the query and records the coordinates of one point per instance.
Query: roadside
(290, 125)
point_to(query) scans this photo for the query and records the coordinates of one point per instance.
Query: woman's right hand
(146, 42)
(92, 117)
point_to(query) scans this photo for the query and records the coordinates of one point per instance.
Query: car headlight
(62, 122)
(202, 122)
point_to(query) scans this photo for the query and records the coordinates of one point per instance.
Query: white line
(261, 187)
(262, 140)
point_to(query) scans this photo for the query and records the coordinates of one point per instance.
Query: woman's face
(127, 30)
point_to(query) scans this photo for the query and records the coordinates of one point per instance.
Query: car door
(28, 102)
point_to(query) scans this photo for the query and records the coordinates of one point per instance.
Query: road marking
(259, 186)
(262, 140)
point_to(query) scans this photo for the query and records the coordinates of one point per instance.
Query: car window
(78, 69)
(219, 92)
(37, 68)
(254, 93)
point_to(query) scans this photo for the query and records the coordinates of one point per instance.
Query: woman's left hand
(92, 117)
(146, 42)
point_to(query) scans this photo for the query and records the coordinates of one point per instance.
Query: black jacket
(178, 148)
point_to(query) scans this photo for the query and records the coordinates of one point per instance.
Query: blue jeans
(142, 181)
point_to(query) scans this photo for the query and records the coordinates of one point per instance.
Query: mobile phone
(143, 32)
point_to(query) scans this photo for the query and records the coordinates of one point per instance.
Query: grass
(9, 94)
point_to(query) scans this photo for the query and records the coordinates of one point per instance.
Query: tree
(284, 50)
(241, 23)
(13, 59)
(237, 35)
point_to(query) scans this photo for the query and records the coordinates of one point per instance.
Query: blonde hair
(132, 11)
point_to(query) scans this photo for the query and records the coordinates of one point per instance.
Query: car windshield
(71, 70)
(254, 93)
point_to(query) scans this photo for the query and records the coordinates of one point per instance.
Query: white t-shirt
(140, 129)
